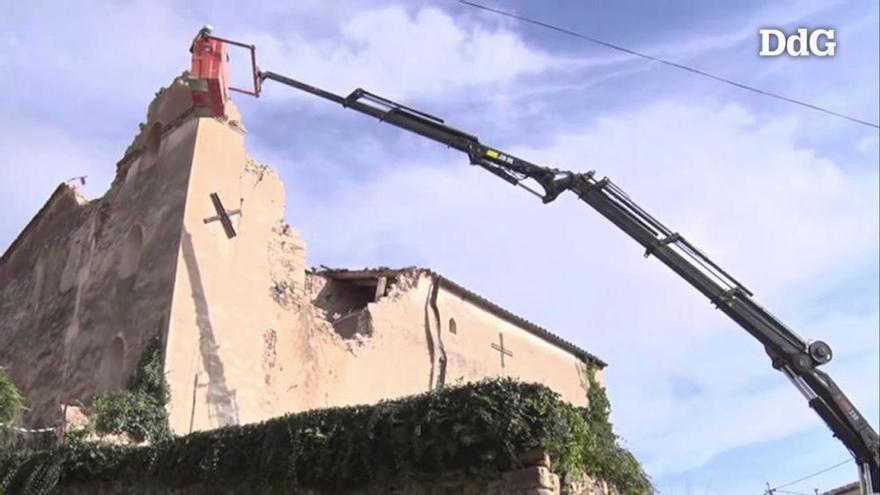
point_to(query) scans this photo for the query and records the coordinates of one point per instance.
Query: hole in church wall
(357, 323)
(453, 326)
(130, 252)
(345, 303)
(112, 365)
(341, 297)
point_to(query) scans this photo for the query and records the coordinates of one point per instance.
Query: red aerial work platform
(209, 75)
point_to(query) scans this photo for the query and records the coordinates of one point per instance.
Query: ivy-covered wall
(528, 480)
(11, 404)
(140, 410)
(477, 432)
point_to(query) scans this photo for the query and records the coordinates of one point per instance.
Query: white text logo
(804, 43)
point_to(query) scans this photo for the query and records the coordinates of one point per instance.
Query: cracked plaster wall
(405, 353)
(243, 339)
(67, 285)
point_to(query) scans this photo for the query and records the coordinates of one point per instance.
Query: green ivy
(139, 411)
(11, 404)
(32, 472)
(476, 430)
(149, 377)
(598, 448)
(136, 414)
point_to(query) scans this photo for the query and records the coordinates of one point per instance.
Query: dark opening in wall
(357, 323)
(345, 303)
(453, 326)
(341, 297)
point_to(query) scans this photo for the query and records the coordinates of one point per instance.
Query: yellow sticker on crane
(492, 153)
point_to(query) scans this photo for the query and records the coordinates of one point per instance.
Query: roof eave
(474, 298)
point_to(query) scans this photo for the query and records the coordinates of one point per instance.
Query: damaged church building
(189, 247)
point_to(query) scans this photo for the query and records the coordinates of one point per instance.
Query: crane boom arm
(789, 353)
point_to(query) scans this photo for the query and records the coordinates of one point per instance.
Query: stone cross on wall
(223, 216)
(500, 348)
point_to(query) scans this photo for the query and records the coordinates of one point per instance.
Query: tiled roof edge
(479, 300)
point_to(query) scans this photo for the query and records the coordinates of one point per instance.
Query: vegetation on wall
(599, 450)
(139, 410)
(477, 429)
(11, 403)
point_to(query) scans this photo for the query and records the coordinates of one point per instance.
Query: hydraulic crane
(795, 357)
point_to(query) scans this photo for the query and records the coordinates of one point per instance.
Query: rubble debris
(254, 172)
(287, 254)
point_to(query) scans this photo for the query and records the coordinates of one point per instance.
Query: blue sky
(783, 197)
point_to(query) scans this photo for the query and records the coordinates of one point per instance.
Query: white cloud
(870, 146)
(32, 170)
(775, 214)
(780, 216)
(396, 52)
(119, 56)
(774, 14)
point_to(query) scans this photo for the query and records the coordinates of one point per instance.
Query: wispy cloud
(786, 201)
(769, 209)
(395, 51)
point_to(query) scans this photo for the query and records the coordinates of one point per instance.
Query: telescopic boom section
(789, 353)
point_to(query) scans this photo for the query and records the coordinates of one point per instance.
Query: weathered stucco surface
(249, 332)
(87, 284)
(406, 340)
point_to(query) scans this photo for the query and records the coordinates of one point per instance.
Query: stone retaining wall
(535, 479)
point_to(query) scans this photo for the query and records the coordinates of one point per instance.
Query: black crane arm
(789, 353)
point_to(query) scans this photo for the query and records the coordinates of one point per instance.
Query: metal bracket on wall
(223, 215)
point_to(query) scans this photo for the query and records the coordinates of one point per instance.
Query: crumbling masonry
(189, 245)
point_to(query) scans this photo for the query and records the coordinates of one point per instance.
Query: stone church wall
(88, 283)
(246, 342)
(473, 350)
(248, 332)
(411, 346)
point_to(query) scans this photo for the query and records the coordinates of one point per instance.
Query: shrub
(477, 429)
(11, 403)
(600, 451)
(139, 411)
(135, 413)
